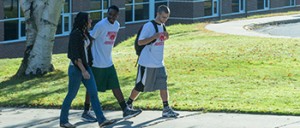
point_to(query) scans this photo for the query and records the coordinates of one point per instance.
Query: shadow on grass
(13, 81)
(21, 91)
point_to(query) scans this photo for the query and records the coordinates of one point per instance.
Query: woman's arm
(84, 72)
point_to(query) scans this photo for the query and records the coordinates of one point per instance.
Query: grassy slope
(207, 70)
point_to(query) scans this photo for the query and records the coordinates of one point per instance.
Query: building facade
(133, 13)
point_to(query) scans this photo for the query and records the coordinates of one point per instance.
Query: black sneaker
(67, 125)
(130, 106)
(106, 122)
(169, 112)
(129, 113)
(88, 117)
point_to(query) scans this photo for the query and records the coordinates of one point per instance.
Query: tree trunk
(41, 18)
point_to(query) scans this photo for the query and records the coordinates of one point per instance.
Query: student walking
(79, 52)
(105, 33)
(151, 75)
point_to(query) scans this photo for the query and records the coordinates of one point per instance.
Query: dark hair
(114, 7)
(80, 23)
(163, 8)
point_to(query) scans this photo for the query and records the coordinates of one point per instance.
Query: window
(210, 7)
(237, 5)
(12, 21)
(263, 4)
(136, 10)
(11, 8)
(142, 10)
(98, 10)
(11, 29)
(286, 2)
(160, 2)
(293, 2)
(64, 25)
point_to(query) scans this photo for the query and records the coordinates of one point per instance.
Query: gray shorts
(151, 79)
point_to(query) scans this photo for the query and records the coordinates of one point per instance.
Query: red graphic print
(111, 35)
(162, 37)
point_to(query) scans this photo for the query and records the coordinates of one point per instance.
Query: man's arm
(148, 40)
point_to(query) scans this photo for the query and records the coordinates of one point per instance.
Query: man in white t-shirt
(105, 33)
(151, 74)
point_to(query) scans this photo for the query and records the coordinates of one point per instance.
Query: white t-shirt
(152, 55)
(105, 35)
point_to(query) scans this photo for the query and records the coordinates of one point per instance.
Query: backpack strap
(155, 25)
(164, 28)
(156, 29)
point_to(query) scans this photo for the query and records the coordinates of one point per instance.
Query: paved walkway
(238, 27)
(46, 118)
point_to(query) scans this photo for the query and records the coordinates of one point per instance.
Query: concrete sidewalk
(46, 118)
(238, 27)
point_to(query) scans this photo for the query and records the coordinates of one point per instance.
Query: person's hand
(166, 35)
(156, 35)
(86, 75)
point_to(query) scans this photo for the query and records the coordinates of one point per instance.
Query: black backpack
(138, 48)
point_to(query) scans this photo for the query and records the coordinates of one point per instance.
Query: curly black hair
(114, 7)
(80, 23)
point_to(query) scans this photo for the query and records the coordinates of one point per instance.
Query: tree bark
(41, 18)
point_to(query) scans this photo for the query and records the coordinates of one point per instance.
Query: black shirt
(76, 48)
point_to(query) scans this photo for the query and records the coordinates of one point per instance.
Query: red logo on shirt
(159, 43)
(111, 35)
(109, 42)
(162, 37)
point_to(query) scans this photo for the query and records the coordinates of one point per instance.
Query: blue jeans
(75, 79)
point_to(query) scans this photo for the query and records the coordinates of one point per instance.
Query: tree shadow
(36, 122)
(14, 80)
(27, 85)
(159, 119)
(121, 123)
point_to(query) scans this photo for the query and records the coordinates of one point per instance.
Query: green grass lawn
(206, 71)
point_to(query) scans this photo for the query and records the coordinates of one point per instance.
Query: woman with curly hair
(79, 52)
